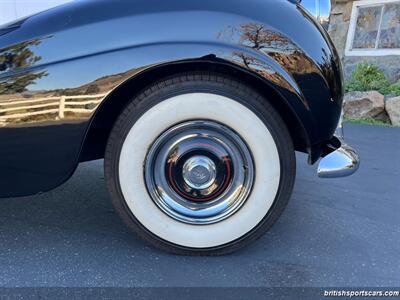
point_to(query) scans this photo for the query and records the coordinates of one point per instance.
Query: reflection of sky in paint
(311, 6)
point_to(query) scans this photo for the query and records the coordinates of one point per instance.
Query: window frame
(352, 29)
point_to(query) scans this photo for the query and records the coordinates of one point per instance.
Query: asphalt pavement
(334, 232)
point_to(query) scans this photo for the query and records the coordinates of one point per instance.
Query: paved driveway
(341, 232)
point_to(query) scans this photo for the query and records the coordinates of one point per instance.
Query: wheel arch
(102, 122)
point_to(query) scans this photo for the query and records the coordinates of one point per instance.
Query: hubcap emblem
(199, 172)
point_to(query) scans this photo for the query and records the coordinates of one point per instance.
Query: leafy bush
(367, 77)
(395, 89)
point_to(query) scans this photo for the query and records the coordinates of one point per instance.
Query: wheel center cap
(199, 172)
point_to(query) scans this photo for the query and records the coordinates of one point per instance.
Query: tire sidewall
(260, 107)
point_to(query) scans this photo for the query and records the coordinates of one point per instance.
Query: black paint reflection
(57, 68)
(280, 49)
(19, 56)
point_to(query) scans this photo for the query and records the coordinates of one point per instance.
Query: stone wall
(338, 29)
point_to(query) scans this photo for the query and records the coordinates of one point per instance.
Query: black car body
(67, 73)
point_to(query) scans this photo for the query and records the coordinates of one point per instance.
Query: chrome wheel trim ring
(214, 201)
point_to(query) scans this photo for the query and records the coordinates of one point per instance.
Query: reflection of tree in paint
(257, 37)
(281, 50)
(16, 57)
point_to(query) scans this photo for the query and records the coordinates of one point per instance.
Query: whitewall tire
(183, 120)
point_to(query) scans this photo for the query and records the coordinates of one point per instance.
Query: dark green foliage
(395, 89)
(367, 77)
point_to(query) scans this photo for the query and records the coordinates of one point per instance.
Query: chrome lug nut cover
(199, 172)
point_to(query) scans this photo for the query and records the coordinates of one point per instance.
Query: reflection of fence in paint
(13, 111)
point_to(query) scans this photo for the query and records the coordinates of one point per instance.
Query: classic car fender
(55, 143)
(61, 69)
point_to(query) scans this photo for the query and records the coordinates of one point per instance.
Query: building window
(374, 28)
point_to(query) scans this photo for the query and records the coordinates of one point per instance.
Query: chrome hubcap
(199, 172)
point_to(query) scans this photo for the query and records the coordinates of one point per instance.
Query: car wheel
(200, 164)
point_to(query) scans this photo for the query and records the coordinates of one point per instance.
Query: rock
(347, 11)
(393, 110)
(383, 117)
(363, 105)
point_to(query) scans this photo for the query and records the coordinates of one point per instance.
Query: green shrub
(395, 89)
(367, 77)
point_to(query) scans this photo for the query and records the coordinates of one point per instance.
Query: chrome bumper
(342, 162)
